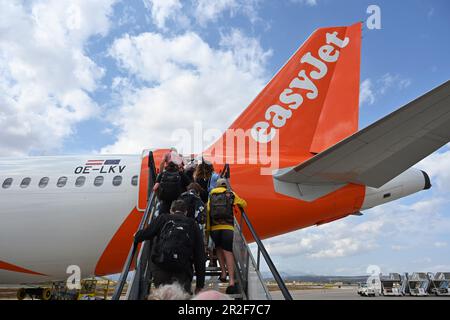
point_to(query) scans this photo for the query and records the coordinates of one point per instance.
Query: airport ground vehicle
(366, 290)
(35, 293)
(91, 289)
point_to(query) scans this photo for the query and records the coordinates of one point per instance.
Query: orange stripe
(14, 268)
(143, 184)
(116, 252)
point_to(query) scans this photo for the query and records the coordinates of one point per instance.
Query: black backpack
(195, 206)
(221, 206)
(170, 186)
(174, 248)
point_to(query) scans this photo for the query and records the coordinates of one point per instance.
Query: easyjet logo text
(290, 99)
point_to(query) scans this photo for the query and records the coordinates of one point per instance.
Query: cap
(221, 182)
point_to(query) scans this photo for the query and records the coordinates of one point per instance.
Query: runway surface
(348, 293)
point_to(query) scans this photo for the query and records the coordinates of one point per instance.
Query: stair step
(213, 269)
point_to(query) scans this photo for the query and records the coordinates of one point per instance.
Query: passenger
(189, 169)
(178, 246)
(205, 176)
(170, 184)
(220, 222)
(171, 156)
(195, 205)
(169, 292)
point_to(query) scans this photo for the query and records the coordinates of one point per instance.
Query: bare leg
(230, 265)
(222, 262)
(212, 257)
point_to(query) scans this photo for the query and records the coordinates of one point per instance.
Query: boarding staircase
(248, 275)
(440, 283)
(392, 285)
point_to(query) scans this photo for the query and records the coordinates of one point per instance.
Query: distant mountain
(284, 275)
(304, 277)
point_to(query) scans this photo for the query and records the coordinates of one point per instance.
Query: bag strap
(209, 183)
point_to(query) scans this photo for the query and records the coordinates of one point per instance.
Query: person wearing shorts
(222, 232)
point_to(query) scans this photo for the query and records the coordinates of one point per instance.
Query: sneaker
(232, 290)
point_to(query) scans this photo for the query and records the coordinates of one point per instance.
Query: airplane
(58, 211)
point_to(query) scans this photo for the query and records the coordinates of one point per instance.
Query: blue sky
(410, 46)
(119, 76)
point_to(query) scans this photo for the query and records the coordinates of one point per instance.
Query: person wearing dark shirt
(170, 184)
(195, 205)
(171, 156)
(189, 169)
(155, 231)
(205, 176)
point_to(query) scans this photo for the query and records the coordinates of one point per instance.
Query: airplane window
(61, 182)
(80, 181)
(98, 181)
(117, 180)
(43, 182)
(25, 182)
(134, 180)
(7, 183)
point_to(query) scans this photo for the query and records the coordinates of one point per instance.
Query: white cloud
(45, 75)
(186, 15)
(342, 248)
(200, 11)
(366, 94)
(440, 244)
(210, 10)
(389, 81)
(310, 3)
(396, 223)
(436, 268)
(368, 90)
(206, 11)
(399, 247)
(339, 239)
(437, 165)
(186, 80)
(164, 10)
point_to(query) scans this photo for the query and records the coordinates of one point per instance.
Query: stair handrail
(261, 248)
(143, 224)
(138, 287)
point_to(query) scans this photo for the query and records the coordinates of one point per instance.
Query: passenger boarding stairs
(440, 283)
(418, 284)
(392, 285)
(248, 276)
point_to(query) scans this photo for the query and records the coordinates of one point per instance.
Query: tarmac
(345, 293)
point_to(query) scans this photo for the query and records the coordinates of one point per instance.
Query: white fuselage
(47, 228)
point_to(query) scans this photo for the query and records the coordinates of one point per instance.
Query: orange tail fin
(312, 102)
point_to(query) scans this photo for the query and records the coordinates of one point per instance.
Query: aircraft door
(147, 179)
